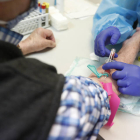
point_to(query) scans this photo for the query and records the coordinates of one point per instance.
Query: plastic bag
(79, 67)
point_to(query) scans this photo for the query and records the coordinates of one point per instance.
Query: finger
(52, 38)
(95, 47)
(118, 75)
(107, 52)
(50, 44)
(123, 90)
(113, 65)
(115, 37)
(116, 55)
(127, 91)
(130, 91)
(49, 34)
(122, 83)
(101, 47)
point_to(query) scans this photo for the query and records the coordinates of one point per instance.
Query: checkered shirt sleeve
(83, 110)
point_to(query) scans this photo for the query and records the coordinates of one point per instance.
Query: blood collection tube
(110, 59)
(38, 6)
(112, 54)
(43, 11)
(47, 6)
(43, 8)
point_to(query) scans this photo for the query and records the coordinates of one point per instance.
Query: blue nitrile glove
(127, 76)
(109, 36)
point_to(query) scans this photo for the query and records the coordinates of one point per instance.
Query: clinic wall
(49, 1)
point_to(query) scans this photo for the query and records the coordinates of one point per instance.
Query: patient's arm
(127, 54)
(129, 50)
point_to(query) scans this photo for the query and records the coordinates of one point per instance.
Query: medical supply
(79, 67)
(110, 59)
(114, 102)
(94, 70)
(130, 104)
(111, 56)
(58, 21)
(31, 22)
(43, 11)
(43, 8)
(60, 5)
(80, 9)
(38, 7)
(45, 3)
(47, 6)
(53, 10)
(93, 56)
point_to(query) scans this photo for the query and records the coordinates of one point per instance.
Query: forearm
(129, 50)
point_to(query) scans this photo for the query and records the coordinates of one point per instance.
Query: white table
(77, 41)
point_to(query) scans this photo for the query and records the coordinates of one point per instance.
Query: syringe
(110, 59)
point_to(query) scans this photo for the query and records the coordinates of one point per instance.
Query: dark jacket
(29, 95)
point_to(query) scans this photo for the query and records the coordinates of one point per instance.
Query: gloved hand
(127, 76)
(109, 36)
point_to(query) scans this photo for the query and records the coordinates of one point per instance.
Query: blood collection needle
(111, 58)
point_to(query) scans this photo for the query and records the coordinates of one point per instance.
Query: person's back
(30, 94)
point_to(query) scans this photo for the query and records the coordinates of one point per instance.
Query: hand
(109, 36)
(127, 76)
(105, 80)
(37, 41)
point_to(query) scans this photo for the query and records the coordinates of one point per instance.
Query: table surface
(75, 42)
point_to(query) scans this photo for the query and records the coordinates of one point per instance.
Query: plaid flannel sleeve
(83, 110)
